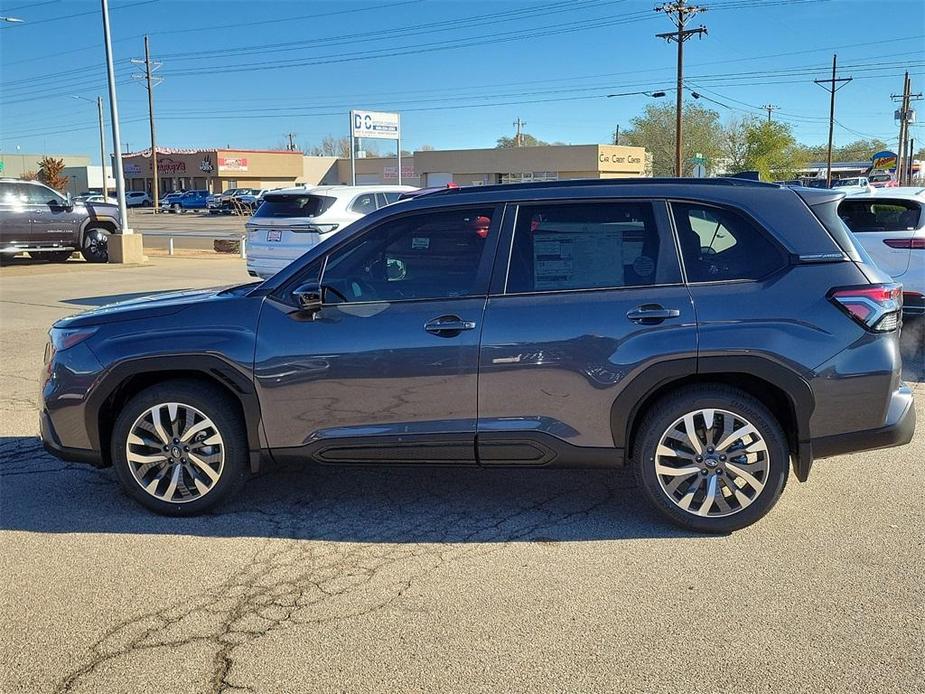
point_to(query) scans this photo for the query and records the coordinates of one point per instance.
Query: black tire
(94, 246)
(656, 422)
(56, 256)
(217, 406)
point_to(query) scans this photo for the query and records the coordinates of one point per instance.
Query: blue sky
(245, 72)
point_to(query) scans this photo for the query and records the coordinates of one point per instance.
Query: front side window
(880, 215)
(719, 244)
(364, 204)
(30, 194)
(435, 255)
(588, 246)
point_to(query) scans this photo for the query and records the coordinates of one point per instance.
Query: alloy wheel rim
(712, 463)
(97, 243)
(175, 452)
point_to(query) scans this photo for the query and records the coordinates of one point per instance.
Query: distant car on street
(101, 198)
(293, 220)
(882, 180)
(137, 198)
(190, 200)
(857, 184)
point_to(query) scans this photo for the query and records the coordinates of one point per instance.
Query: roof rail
(595, 182)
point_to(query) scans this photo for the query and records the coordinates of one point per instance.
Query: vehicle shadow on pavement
(39, 493)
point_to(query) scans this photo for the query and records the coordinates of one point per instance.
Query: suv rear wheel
(711, 458)
(179, 448)
(95, 245)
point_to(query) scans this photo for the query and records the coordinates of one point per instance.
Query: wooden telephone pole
(679, 12)
(519, 138)
(904, 116)
(830, 86)
(150, 83)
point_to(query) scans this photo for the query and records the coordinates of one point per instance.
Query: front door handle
(448, 326)
(652, 314)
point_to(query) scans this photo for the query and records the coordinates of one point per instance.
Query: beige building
(215, 170)
(220, 169)
(15, 164)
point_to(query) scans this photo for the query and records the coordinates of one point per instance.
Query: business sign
(169, 165)
(883, 160)
(206, 164)
(232, 163)
(375, 124)
(391, 172)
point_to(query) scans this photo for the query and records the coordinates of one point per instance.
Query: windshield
(846, 182)
(293, 205)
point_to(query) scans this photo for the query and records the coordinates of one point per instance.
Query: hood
(151, 306)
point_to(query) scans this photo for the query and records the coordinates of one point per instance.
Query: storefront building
(215, 170)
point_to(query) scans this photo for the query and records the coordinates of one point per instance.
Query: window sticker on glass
(419, 243)
(274, 235)
(569, 255)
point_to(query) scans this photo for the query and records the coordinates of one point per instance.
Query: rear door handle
(448, 326)
(651, 314)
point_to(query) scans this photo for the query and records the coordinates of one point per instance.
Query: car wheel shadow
(387, 505)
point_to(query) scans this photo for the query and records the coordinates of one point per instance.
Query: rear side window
(364, 204)
(588, 246)
(293, 205)
(880, 215)
(719, 244)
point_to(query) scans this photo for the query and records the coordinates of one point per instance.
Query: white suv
(890, 224)
(293, 220)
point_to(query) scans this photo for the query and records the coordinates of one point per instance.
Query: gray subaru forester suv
(709, 333)
(39, 220)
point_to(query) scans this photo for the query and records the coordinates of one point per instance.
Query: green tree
(50, 173)
(772, 150)
(527, 140)
(655, 130)
(859, 150)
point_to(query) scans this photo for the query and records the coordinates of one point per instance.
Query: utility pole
(519, 138)
(99, 106)
(291, 143)
(114, 119)
(905, 116)
(679, 13)
(769, 108)
(830, 86)
(616, 135)
(150, 83)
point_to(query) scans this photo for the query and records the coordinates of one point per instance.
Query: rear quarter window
(293, 205)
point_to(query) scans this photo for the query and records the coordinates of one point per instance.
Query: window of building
(436, 255)
(719, 244)
(588, 246)
(529, 176)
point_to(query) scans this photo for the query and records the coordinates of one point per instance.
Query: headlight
(64, 338)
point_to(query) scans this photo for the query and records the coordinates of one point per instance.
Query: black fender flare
(629, 402)
(212, 367)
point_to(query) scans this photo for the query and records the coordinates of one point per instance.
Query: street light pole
(99, 105)
(114, 117)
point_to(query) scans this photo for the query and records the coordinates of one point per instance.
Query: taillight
(875, 306)
(917, 244)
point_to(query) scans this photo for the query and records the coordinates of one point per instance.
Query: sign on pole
(376, 124)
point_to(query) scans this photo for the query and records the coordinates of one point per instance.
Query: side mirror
(309, 296)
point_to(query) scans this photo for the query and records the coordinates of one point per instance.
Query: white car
(100, 198)
(851, 186)
(890, 224)
(137, 198)
(292, 220)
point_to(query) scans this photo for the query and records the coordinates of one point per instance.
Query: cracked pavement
(386, 580)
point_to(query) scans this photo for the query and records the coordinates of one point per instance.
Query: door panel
(591, 298)
(555, 363)
(367, 370)
(55, 224)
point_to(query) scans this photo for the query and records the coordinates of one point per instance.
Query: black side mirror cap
(309, 296)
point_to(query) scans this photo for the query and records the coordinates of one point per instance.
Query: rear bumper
(53, 445)
(913, 304)
(898, 430)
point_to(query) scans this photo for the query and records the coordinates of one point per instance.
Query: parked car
(103, 198)
(890, 225)
(290, 221)
(137, 198)
(858, 184)
(217, 202)
(244, 202)
(38, 220)
(190, 200)
(649, 322)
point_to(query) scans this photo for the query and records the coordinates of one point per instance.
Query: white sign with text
(375, 124)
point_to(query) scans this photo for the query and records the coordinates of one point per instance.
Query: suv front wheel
(95, 246)
(711, 458)
(179, 448)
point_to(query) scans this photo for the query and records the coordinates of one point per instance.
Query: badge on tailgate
(274, 235)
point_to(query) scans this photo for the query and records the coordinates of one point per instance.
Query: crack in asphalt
(303, 571)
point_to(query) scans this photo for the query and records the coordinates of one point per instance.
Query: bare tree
(331, 146)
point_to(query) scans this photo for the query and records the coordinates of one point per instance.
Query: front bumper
(898, 430)
(53, 445)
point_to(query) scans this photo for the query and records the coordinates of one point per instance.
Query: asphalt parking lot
(435, 580)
